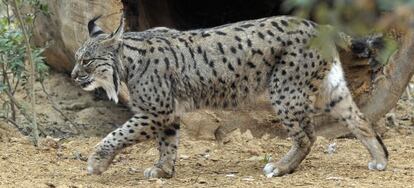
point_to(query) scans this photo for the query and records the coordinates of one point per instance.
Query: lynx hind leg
(338, 102)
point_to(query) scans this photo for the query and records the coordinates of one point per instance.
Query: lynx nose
(77, 73)
(79, 77)
(74, 74)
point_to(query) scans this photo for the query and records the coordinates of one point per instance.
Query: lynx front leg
(167, 140)
(137, 129)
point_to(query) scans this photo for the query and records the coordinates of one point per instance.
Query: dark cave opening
(190, 14)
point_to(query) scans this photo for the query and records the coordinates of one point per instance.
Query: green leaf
(2, 87)
(323, 42)
(389, 48)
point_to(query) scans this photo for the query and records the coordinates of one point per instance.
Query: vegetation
(357, 18)
(21, 63)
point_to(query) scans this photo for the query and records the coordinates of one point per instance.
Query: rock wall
(65, 29)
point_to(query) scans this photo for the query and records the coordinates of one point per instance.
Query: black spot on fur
(261, 35)
(220, 33)
(275, 24)
(270, 33)
(238, 38)
(220, 46)
(204, 35)
(249, 43)
(284, 23)
(233, 50)
(169, 132)
(247, 25)
(251, 65)
(230, 67)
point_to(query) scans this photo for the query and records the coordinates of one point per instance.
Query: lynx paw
(97, 164)
(374, 165)
(156, 172)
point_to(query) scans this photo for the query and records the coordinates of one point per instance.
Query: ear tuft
(116, 37)
(93, 29)
(121, 28)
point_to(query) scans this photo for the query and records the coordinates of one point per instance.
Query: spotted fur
(170, 72)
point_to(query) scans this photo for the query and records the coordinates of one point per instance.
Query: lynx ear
(117, 35)
(93, 29)
(121, 28)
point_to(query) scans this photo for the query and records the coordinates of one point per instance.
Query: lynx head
(98, 60)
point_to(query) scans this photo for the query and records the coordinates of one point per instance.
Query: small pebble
(331, 148)
(230, 175)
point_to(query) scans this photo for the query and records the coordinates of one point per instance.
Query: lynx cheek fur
(169, 72)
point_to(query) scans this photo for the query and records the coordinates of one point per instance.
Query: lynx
(170, 72)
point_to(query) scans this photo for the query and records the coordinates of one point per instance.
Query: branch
(395, 78)
(35, 130)
(18, 105)
(73, 125)
(9, 86)
(7, 11)
(388, 89)
(20, 108)
(11, 121)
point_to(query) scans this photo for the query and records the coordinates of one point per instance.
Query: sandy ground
(60, 160)
(237, 163)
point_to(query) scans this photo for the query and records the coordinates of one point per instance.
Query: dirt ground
(60, 160)
(237, 163)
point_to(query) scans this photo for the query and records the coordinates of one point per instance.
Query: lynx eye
(87, 62)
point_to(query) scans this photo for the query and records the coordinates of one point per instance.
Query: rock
(247, 135)
(133, 170)
(50, 185)
(76, 106)
(21, 140)
(193, 122)
(334, 178)
(184, 157)
(78, 156)
(66, 28)
(255, 158)
(231, 175)
(100, 120)
(248, 178)
(201, 180)
(254, 151)
(49, 142)
(158, 182)
(331, 148)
